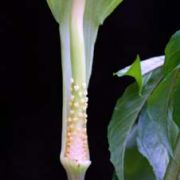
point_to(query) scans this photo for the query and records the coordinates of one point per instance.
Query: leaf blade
(124, 116)
(150, 144)
(172, 52)
(134, 71)
(137, 166)
(158, 106)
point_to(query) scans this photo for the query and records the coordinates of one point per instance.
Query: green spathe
(95, 14)
(78, 31)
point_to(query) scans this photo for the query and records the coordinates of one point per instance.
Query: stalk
(76, 67)
(75, 153)
(77, 46)
(173, 169)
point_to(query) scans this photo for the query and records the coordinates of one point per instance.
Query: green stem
(173, 169)
(75, 152)
(80, 176)
(77, 41)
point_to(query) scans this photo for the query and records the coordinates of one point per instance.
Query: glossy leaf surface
(124, 116)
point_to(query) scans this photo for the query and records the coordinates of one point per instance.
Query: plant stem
(173, 169)
(75, 152)
(75, 177)
(77, 41)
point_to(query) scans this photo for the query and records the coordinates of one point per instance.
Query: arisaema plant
(78, 26)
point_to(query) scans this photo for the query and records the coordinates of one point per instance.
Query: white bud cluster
(76, 123)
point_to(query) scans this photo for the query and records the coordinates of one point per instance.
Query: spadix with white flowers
(79, 21)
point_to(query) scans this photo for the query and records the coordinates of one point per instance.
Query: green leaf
(124, 116)
(172, 53)
(157, 129)
(134, 71)
(150, 144)
(159, 104)
(157, 132)
(173, 129)
(136, 166)
(176, 100)
(173, 169)
(114, 176)
(140, 68)
(147, 66)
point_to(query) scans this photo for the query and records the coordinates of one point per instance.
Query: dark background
(31, 89)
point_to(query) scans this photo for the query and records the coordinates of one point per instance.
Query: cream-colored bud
(76, 104)
(76, 87)
(72, 97)
(84, 85)
(72, 80)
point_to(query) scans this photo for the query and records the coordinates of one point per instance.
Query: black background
(31, 89)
